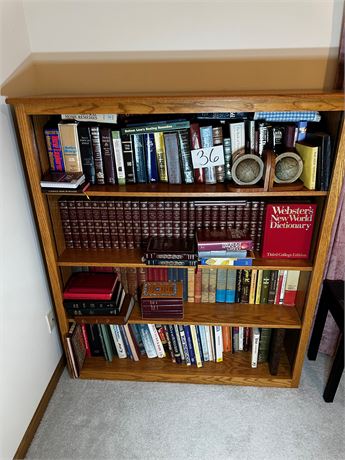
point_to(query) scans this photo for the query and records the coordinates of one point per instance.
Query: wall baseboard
(41, 408)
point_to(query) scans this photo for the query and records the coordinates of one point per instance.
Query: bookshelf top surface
(182, 103)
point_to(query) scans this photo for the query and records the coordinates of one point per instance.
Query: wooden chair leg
(336, 372)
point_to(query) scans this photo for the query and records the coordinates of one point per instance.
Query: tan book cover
(70, 147)
(162, 290)
(205, 278)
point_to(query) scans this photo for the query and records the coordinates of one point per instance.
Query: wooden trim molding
(41, 408)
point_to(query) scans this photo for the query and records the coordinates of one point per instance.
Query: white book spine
(204, 345)
(119, 163)
(240, 338)
(184, 345)
(282, 290)
(218, 340)
(208, 342)
(96, 117)
(147, 341)
(179, 342)
(119, 345)
(255, 346)
(211, 347)
(237, 136)
(156, 341)
(195, 346)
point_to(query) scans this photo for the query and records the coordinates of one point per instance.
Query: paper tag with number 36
(208, 157)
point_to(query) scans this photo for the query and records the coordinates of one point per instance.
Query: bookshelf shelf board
(162, 190)
(227, 314)
(133, 258)
(235, 369)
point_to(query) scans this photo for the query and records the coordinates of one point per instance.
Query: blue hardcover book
(301, 130)
(230, 286)
(147, 341)
(151, 159)
(171, 274)
(199, 343)
(137, 336)
(204, 343)
(221, 285)
(189, 344)
(139, 157)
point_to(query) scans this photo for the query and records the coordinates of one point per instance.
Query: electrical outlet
(50, 320)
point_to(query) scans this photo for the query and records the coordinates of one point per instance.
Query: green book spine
(265, 286)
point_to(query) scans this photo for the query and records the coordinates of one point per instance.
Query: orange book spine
(226, 338)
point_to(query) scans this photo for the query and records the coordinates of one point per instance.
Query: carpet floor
(148, 421)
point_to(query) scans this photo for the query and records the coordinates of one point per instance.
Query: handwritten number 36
(207, 158)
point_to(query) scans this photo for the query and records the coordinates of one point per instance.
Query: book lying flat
(62, 180)
(229, 239)
(166, 248)
(162, 290)
(89, 285)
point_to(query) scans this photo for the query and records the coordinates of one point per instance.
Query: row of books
(160, 151)
(210, 285)
(114, 224)
(184, 344)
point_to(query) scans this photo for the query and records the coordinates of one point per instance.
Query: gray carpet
(133, 420)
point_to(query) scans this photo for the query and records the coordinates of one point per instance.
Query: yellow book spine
(258, 286)
(253, 286)
(191, 282)
(205, 278)
(161, 157)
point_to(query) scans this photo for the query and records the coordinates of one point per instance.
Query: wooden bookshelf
(33, 112)
(133, 258)
(235, 369)
(224, 314)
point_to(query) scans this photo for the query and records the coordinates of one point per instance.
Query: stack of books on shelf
(225, 247)
(122, 150)
(162, 300)
(171, 251)
(119, 224)
(97, 294)
(191, 345)
(62, 181)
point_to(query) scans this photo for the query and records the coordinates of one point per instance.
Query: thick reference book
(288, 230)
(90, 285)
(62, 180)
(70, 147)
(229, 239)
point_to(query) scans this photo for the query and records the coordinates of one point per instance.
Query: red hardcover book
(229, 239)
(90, 285)
(288, 230)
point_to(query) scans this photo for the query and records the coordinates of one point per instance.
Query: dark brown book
(276, 346)
(162, 290)
(103, 205)
(108, 155)
(90, 224)
(84, 236)
(73, 218)
(114, 235)
(76, 343)
(66, 224)
(195, 142)
(152, 218)
(167, 248)
(229, 239)
(120, 220)
(245, 286)
(128, 221)
(97, 223)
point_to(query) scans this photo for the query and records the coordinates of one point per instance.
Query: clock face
(288, 167)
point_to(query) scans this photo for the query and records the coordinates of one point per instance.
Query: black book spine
(276, 346)
(272, 287)
(91, 311)
(97, 155)
(94, 304)
(86, 153)
(94, 340)
(128, 158)
(174, 344)
(108, 155)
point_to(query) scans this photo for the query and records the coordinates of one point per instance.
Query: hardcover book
(52, 137)
(90, 285)
(70, 147)
(86, 152)
(171, 248)
(309, 154)
(62, 180)
(162, 290)
(229, 239)
(172, 151)
(288, 230)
